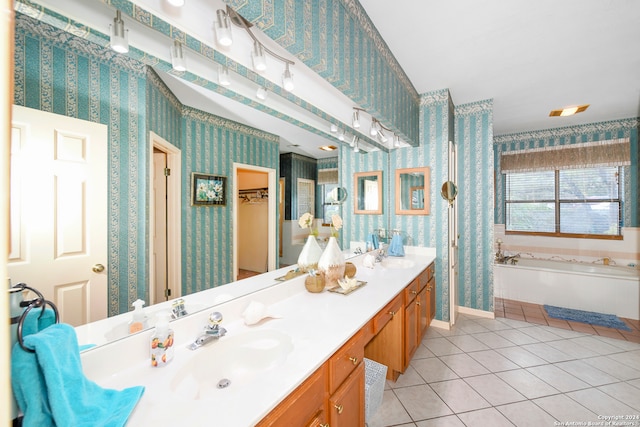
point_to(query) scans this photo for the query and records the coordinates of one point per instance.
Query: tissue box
(374, 379)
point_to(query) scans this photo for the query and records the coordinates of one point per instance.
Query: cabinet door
(346, 405)
(411, 322)
(387, 347)
(424, 319)
(431, 288)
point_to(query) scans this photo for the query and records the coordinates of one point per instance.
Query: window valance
(614, 152)
(327, 176)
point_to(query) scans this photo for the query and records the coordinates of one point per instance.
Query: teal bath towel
(51, 389)
(396, 248)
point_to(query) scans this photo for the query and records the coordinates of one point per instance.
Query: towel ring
(40, 301)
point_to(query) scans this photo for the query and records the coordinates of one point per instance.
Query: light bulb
(355, 121)
(119, 41)
(177, 57)
(223, 28)
(287, 79)
(223, 75)
(261, 93)
(258, 57)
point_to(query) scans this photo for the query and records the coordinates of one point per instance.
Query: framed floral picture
(208, 190)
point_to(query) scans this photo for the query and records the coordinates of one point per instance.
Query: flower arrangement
(306, 221)
(336, 224)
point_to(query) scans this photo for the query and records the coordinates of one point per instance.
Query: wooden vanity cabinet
(387, 346)
(346, 405)
(305, 406)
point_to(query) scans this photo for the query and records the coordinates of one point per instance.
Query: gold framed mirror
(412, 191)
(367, 192)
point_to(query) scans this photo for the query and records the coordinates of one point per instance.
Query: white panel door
(59, 211)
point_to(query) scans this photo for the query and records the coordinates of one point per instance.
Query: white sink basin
(230, 363)
(397, 263)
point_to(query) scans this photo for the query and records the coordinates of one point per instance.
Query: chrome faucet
(177, 309)
(380, 254)
(358, 250)
(212, 331)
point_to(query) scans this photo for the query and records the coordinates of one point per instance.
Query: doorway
(164, 220)
(254, 235)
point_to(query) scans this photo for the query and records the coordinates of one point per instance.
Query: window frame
(557, 204)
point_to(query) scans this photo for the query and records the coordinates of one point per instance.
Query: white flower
(336, 221)
(305, 220)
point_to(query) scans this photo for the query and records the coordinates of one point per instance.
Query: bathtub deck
(534, 313)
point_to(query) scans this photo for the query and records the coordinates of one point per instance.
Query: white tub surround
(318, 325)
(582, 286)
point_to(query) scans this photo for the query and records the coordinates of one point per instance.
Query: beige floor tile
(564, 408)
(391, 412)
(485, 417)
(448, 421)
(441, 346)
(421, 402)
(526, 383)
(526, 414)
(624, 392)
(521, 357)
(459, 396)
(433, 370)
(494, 390)
(600, 403)
(467, 343)
(463, 365)
(557, 378)
(587, 373)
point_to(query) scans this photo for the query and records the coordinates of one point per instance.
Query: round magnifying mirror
(449, 191)
(338, 195)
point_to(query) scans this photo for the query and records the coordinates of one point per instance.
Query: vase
(332, 263)
(310, 254)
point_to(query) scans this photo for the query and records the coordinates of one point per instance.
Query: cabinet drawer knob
(325, 425)
(392, 313)
(354, 360)
(417, 302)
(414, 292)
(339, 408)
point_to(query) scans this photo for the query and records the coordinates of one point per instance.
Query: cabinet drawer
(386, 314)
(411, 291)
(301, 406)
(345, 360)
(425, 276)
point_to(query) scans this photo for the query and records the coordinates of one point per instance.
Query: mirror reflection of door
(253, 218)
(368, 192)
(59, 211)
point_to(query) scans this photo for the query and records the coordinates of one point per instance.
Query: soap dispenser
(162, 341)
(139, 320)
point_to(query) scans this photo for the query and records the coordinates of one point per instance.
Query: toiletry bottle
(162, 341)
(138, 319)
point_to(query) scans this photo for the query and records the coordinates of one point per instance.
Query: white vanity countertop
(318, 325)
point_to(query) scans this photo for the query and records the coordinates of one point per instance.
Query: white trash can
(374, 380)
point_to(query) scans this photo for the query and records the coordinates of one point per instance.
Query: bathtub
(592, 287)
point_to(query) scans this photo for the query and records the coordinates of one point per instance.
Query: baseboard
(476, 312)
(440, 324)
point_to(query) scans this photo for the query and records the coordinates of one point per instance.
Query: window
(565, 202)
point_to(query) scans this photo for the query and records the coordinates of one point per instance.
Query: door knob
(98, 268)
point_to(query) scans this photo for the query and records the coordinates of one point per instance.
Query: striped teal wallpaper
(211, 145)
(474, 138)
(54, 73)
(627, 128)
(66, 75)
(337, 40)
(436, 130)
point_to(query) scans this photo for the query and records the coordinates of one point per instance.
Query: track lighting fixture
(356, 149)
(381, 136)
(396, 141)
(261, 93)
(355, 120)
(287, 79)
(259, 50)
(258, 58)
(354, 141)
(223, 75)
(178, 61)
(334, 128)
(374, 127)
(223, 28)
(341, 136)
(119, 40)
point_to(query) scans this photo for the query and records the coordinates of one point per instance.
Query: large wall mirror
(367, 193)
(412, 191)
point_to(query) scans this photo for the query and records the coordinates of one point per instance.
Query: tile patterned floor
(506, 372)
